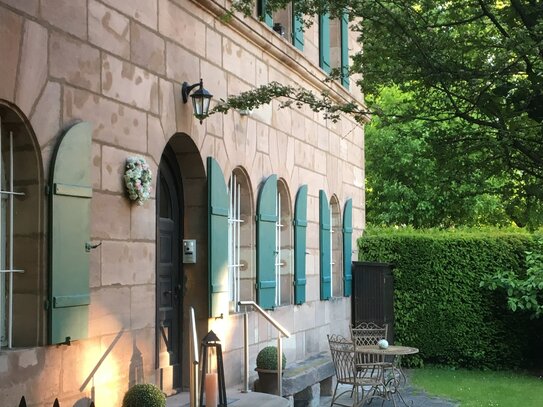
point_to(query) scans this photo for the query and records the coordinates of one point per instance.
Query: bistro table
(394, 379)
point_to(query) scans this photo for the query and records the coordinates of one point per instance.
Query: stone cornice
(264, 38)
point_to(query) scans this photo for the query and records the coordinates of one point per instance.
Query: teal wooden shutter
(347, 247)
(266, 218)
(324, 241)
(69, 226)
(263, 13)
(217, 201)
(324, 42)
(300, 226)
(345, 50)
(297, 31)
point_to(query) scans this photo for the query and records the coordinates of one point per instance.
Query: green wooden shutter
(217, 201)
(263, 13)
(347, 247)
(345, 50)
(324, 42)
(69, 227)
(324, 240)
(297, 31)
(266, 218)
(300, 226)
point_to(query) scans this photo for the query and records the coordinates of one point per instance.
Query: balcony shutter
(324, 42)
(297, 32)
(266, 218)
(300, 226)
(345, 50)
(263, 13)
(217, 195)
(324, 240)
(69, 220)
(347, 247)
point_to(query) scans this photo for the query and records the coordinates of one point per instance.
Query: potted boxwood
(266, 366)
(144, 395)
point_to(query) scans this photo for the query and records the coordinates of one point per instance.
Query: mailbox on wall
(189, 251)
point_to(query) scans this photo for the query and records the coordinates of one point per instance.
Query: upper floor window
(284, 22)
(334, 45)
(240, 240)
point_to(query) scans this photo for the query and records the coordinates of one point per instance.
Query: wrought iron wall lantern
(200, 99)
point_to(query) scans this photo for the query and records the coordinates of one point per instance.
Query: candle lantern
(212, 372)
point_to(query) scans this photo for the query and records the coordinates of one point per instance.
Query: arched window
(336, 242)
(284, 270)
(22, 277)
(241, 279)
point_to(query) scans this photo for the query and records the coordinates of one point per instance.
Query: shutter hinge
(46, 304)
(47, 190)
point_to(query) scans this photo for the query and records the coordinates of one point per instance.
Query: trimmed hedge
(439, 306)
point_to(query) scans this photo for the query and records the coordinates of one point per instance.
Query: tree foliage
(476, 61)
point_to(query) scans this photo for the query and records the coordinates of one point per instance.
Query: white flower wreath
(137, 178)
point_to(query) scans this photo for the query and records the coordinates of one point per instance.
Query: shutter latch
(89, 246)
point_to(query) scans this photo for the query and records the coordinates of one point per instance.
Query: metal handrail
(194, 360)
(280, 330)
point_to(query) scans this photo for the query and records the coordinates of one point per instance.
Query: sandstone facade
(120, 65)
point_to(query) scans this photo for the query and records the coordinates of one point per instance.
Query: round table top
(391, 350)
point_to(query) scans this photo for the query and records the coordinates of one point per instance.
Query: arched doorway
(169, 273)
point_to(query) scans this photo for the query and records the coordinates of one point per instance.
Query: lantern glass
(200, 103)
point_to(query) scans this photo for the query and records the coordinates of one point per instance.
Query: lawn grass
(474, 388)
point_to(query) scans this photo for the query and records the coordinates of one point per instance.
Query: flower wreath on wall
(137, 178)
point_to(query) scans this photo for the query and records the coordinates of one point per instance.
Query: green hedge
(439, 306)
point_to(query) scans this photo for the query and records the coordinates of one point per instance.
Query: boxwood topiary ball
(267, 359)
(144, 395)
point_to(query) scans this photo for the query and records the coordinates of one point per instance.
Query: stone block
(213, 46)
(142, 306)
(129, 84)
(181, 27)
(110, 216)
(113, 123)
(68, 15)
(46, 117)
(328, 385)
(181, 65)
(109, 311)
(128, 263)
(113, 167)
(27, 6)
(74, 61)
(144, 11)
(33, 67)
(10, 39)
(109, 29)
(309, 397)
(147, 48)
(143, 221)
(167, 108)
(238, 61)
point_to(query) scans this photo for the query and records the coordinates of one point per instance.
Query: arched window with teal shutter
(300, 228)
(266, 218)
(69, 225)
(324, 42)
(325, 247)
(217, 200)
(347, 247)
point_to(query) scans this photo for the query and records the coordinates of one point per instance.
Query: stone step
(235, 398)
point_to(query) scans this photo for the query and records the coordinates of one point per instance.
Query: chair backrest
(342, 351)
(368, 334)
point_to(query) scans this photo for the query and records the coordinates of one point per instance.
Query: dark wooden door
(169, 269)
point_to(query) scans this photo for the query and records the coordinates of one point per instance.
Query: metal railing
(280, 331)
(194, 360)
